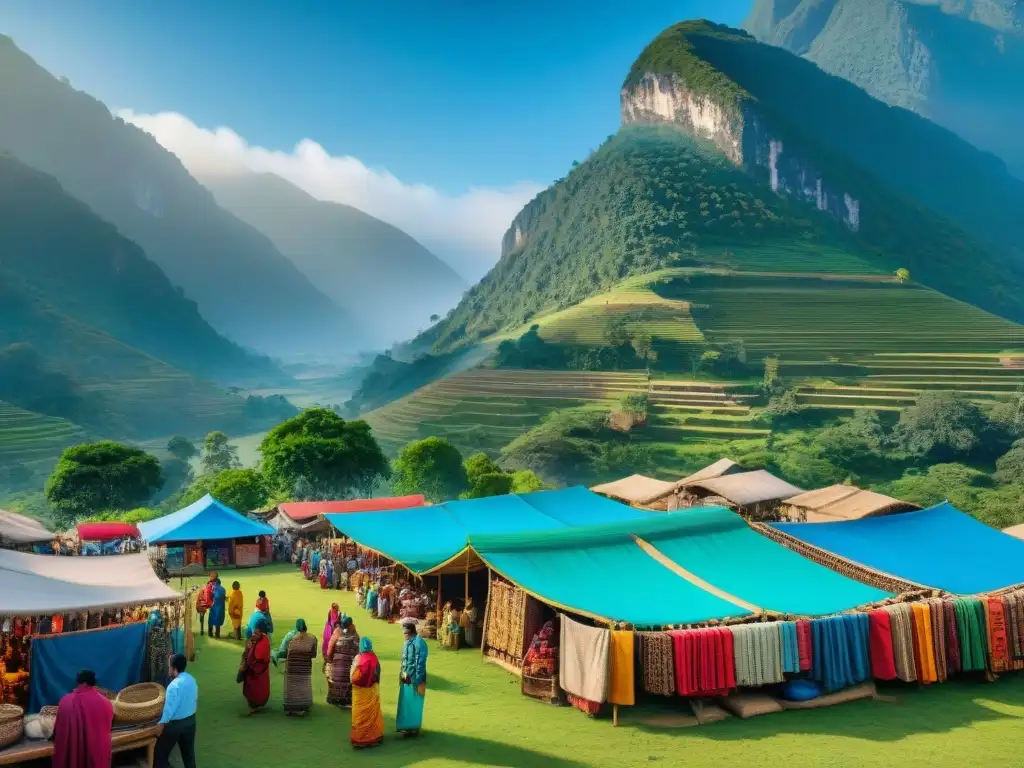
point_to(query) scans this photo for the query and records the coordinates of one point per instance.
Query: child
(263, 605)
(235, 606)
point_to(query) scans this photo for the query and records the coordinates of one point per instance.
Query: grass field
(476, 716)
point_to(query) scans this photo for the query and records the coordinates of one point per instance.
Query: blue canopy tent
(206, 520)
(435, 539)
(938, 548)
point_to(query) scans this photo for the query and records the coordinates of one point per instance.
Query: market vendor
(84, 721)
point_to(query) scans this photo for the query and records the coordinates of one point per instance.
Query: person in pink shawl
(81, 737)
(332, 619)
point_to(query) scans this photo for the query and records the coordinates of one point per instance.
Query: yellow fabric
(235, 607)
(367, 720)
(621, 687)
(925, 645)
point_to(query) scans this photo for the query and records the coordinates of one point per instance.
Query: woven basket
(543, 688)
(12, 724)
(140, 703)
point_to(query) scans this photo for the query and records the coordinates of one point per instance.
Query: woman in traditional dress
(342, 648)
(217, 608)
(332, 618)
(322, 573)
(367, 720)
(330, 573)
(254, 672)
(236, 604)
(412, 689)
(314, 565)
(298, 671)
(468, 622)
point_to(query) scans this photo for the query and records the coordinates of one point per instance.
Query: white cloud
(465, 230)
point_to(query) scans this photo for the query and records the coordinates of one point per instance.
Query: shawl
(621, 686)
(368, 666)
(902, 641)
(997, 642)
(583, 656)
(82, 733)
(971, 630)
(790, 648)
(1016, 625)
(805, 646)
(953, 664)
(657, 664)
(924, 650)
(883, 664)
(936, 609)
(332, 618)
(841, 650)
(757, 651)
(704, 661)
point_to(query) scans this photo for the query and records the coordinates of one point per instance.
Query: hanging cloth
(583, 660)
(924, 651)
(997, 642)
(704, 661)
(656, 661)
(621, 686)
(805, 645)
(935, 609)
(790, 647)
(953, 663)
(883, 665)
(902, 641)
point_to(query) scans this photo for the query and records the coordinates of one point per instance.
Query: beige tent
(636, 489)
(718, 469)
(18, 529)
(42, 585)
(841, 502)
(756, 494)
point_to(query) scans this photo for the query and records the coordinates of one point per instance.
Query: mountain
(390, 282)
(88, 271)
(243, 286)
(959, 63)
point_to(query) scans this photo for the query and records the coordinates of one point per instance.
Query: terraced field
(33, 441)
(486, 409)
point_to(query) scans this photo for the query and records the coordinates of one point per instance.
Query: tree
(944, 426)
(525, 481)
(241, 489)
(771, 374)
(1010, 466)
(902, 275)
(478, 465)
(432, 467)
(182, 448)
(332, 456)
(101, 476)
(219, 454)
(434, 318)
(490, 484)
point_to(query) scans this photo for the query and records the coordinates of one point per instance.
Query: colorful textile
(805, 645)
(704, 661)
(583, 660)
(999, 656)
(901, 623)
(936, 609)
(298, 673)
(757, 654)
(656, 663)
(256, 671)
(367, 727)
(1015, 623)
(790, 648)
(621, 685)
(541, 659)
(414, 660)
(883, 665)
(953, 663)
(236, 604)
(341, 651)
(332, 618)
(841, 650)
(411, 698)
(365, 670)
(970, 620)
(82, 733)
(583, 705)
(256, 618)
(924, 651)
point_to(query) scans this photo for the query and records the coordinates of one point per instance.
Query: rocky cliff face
(744, 135)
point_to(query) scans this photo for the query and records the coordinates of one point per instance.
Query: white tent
(40, 585)
(19, 529)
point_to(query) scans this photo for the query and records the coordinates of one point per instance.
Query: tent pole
(615, 715)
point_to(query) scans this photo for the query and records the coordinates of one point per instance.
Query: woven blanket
(757, 649)
(902, 641)
(970, 624)
(937, 611)
(924, 649)
(841, 650)
(805, 645)
(583, 656)
(999, 654)
(1014, 625)
(657, 663)
(790, 648)
(883, 664)
(953, 663)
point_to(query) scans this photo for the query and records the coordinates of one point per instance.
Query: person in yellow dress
(235, 607)
(367, 721)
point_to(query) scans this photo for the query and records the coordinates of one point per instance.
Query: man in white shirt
(179, 717)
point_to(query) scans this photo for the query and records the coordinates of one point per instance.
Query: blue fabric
(220, 597)
(426, 537)
(790, 648)
(115, 655)
(800, 690)
(256, 617)
(940, 547)
(182, 698)
(840, 657)
(410, 708)
(414, 660)
(204, 520)
(178, 641)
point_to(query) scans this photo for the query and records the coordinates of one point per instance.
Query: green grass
(476, 716)
(32, 440)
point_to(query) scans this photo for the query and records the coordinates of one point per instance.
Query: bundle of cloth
(704, 661)
(541, 659)
(841, 651)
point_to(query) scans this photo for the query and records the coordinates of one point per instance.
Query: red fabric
(704, 663)
(263, 604)
(883, 663)
(804, 645)
(997, 639)
(583, 705)
(106, 531)
(368, 662)
(256, 687)
(304, 510)
(205, 598)
(82, 735)
(323, 581)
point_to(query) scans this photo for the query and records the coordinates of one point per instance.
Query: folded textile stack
(704, 661)
(541, 659)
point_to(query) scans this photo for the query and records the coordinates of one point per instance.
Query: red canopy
(106, 531)
(305, 510)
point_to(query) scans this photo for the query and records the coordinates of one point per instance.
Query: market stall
(207, 534)
(21, 532)
(107, 538)
(306, 518)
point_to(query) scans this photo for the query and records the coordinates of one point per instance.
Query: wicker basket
(12, 724)
(140, 703)
(543, 688)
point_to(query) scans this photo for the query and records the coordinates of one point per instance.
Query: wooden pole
(615, 715)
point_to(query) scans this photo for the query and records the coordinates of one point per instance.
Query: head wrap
(300, 625)
(263, 626)
(365, 645)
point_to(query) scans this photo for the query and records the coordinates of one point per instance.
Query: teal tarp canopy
(424, 538)
(716, 545)
(204, 520)
(601, 571)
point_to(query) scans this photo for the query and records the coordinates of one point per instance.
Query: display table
(121, 739)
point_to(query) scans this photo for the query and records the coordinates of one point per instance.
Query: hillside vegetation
(244, 287)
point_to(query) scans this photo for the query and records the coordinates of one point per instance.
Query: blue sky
(450, 93)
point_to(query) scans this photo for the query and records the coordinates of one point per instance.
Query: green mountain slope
(390, 282)
(959, 64)
(90, 272)
(244, 287)
(654, 197)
